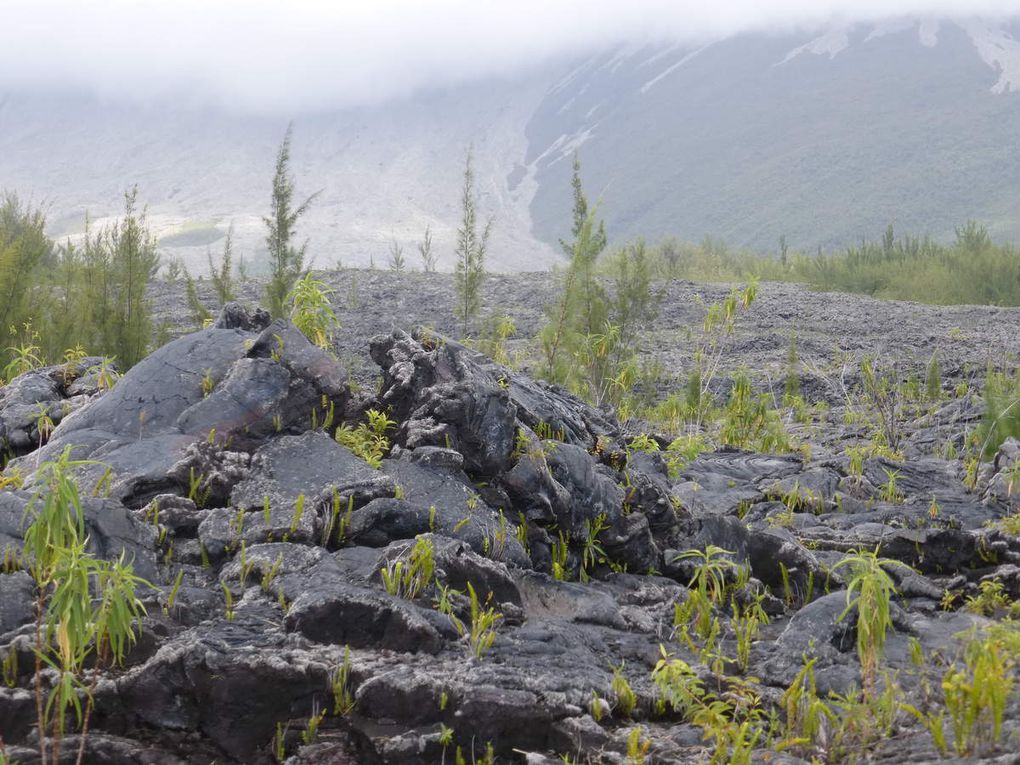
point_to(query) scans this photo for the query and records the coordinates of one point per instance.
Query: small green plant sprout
(311, 310)
(444, 604)
(43, 424)
(597, 706)
(495, 334)
(369, 439)
(280, 742)
(408, 578)
(732, 724)
(311, 732)
(710, 570)
(207, 383)
(25, 356)
(11, 478)
(883, 398)
(296, 516)
(228, 596)
(328, 409)
(890, 491)
(270, 574)
(933, 378)
(855, 465)
(683, 450)
(869, 592)
(637, 747)
(106, 373)
(976, 694)
(340, 685)
(745, 623)
(267, 516)
(9, 668)
(560, 552)
(199, 488)
(626, 699)
(446, 735)
(592, 553)
(643, 443)
(807, 717)
(338, 522)
(991, 598)
(707, 590)
(174, 591)
(483, 625)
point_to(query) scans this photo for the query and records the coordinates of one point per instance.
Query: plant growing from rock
(990, 598)
(408, 578)
(86, 608)
(24, 357)
(806, 716)
(890, 491)
(560, 552)
(286, 261)
(469, 267)
(368, 440)
(591, 551)
(869, 592)
(976, 694)
(745, 623)
(494, 337)
(748, 422)
(429, 259)
(933, 378)
(626, 699)
(483, 625)
(882, 396)
(637, 746)
(734, 726)
(397, 262)
(1001, 419)
(341, 686)
(311, 310)
(710, 570)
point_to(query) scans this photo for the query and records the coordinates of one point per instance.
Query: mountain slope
(824, 138)
(384, 173)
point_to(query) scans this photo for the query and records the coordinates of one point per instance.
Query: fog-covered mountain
(823, 137)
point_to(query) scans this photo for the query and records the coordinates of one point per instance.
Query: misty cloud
(299, 55)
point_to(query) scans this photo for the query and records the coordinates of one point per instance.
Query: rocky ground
(266, 541)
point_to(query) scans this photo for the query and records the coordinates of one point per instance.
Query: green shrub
(1001, 418)
(311, 310)
(87, 608)
(870, 592)
(286, 260)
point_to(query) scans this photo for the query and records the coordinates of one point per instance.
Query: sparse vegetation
(286, 259)
(469, 266)
(971, 270)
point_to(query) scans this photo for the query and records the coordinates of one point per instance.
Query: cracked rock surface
(217, 471)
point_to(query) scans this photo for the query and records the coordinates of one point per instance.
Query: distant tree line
(972, 269)
(89, 296)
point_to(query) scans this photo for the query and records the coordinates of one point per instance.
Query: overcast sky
(293, 55)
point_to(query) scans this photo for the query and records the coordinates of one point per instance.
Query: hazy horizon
(262, 57)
